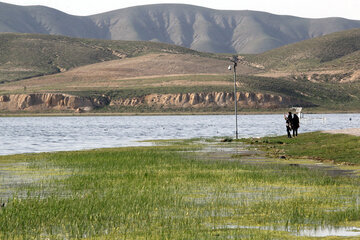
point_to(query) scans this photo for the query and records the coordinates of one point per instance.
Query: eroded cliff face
(61, 102)
(213, 99)
(44, 101)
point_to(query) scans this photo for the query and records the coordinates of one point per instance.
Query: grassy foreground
(169, 192)
(339, 148)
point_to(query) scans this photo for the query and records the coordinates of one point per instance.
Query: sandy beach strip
(350, 131)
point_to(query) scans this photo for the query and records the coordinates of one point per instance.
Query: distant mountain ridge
(190, 26)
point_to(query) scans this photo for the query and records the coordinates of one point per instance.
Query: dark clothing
(295, 125)
(295, 132)
(295, 122)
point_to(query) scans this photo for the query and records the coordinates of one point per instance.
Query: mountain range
(194, 27)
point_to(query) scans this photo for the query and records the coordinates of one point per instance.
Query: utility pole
(235, 60)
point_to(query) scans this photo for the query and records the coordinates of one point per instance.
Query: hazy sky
(302, 8)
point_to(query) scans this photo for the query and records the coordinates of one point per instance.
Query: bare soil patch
(113, 73)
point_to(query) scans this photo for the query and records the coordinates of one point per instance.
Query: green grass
(336, 147)
(167, 192)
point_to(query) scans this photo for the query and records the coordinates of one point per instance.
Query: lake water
(46, 134)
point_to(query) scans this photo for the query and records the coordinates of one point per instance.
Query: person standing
(288, 120)
(295, 125)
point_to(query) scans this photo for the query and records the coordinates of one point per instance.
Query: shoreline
(347, 131)
(90, 114)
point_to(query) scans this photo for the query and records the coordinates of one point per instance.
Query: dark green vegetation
(190, 26)
(26, 56)
(313, 94)
(335, 147)
(170, 192)
(30, 55)
(334, 51)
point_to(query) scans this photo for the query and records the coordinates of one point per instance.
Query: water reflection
(331, 231)
(307, 232)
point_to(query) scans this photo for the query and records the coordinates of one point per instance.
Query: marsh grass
(166, 192)
(339, 148)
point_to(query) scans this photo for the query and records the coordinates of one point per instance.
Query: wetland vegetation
(338, 148)
(183, 189)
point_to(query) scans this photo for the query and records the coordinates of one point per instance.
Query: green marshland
(184, 189)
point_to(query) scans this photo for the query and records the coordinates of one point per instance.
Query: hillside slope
(44, 20)
(157, 70)
(337, 50)
(331, 58)
(122, 76)
(193, 27)
(30, 55)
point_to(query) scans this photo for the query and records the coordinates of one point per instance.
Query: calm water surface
(45, 134)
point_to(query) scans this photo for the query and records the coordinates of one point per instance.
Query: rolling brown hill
(151, 70)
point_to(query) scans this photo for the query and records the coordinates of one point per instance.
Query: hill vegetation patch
(323, 72)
